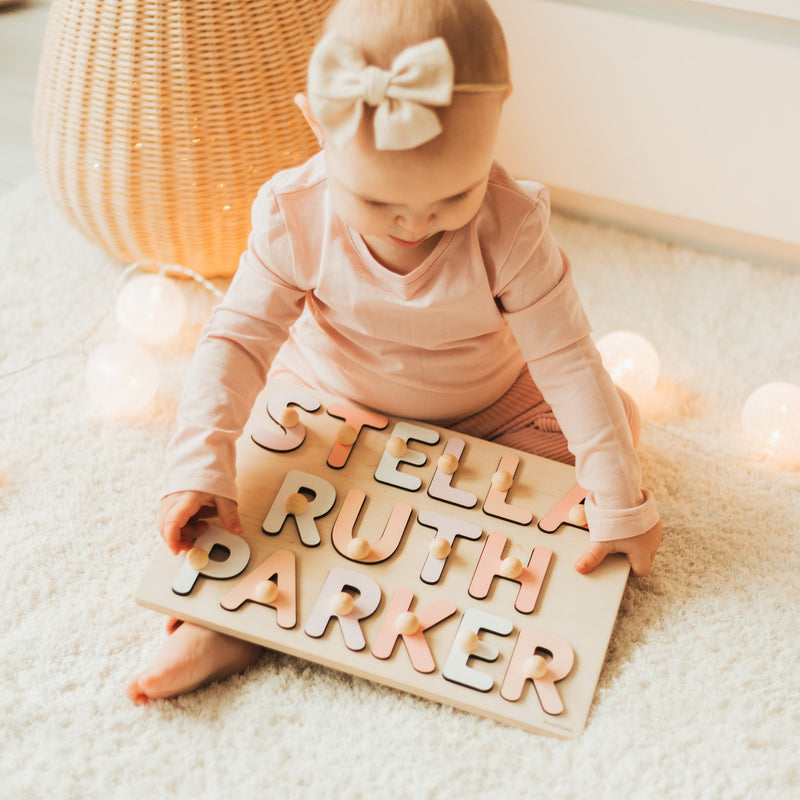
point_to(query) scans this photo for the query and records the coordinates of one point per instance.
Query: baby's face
(402, 201)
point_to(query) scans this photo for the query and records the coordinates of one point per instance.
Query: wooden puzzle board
(524, 650)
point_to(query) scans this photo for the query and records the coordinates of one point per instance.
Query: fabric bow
(340, 82)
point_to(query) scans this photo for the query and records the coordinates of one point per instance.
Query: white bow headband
(420, 78)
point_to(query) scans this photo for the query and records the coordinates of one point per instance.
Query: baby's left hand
(640, 550)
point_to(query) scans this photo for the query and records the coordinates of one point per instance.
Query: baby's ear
(301, 101)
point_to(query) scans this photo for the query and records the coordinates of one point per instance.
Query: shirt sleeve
(230, 365)
(543, 310)
(588, 408)
(535, 288)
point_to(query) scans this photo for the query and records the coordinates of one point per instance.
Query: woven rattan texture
(156, 121)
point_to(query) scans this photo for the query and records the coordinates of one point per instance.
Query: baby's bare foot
(190, 658)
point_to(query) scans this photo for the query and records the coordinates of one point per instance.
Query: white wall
(677, 117)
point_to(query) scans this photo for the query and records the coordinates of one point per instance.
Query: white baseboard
(678, 230)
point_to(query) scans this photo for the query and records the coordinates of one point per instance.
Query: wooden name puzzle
(407, 554)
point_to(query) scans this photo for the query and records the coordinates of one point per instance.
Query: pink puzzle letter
(418, 651)
(281, 565)
(277, 437)
(385, 547)
(357, 418)
(563, 657)
(495, 503)
(553, 519)
(531, 577)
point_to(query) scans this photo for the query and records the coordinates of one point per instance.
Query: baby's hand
(640, 550)
(183, 517)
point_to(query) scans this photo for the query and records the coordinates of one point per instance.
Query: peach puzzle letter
(238, 556)
(468, 645)
(446, 528)
(288, 433)
(387, 472)
(386, 546)
(559, 514)
(355, 419)
(440, 488)
(417, 646)
(280, 565)
(495, 504)
(324, 498)
(365, 605)
(491, 565)
(559, 666)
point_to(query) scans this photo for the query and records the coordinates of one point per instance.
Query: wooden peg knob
(502, 480)
(289, 417)
(447, 463)
(468, 641)
(297, 503)
(346, 435)
(440, 548)
(266, 591)
(535, 667)
(342, 603)
(511, 567)
(358, 548)
(577, 515)
(396, 447)
(197, 558)
(407, 623)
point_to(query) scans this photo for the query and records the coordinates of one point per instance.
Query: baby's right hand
(183, 517)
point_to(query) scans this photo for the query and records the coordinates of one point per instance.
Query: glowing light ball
(122, 378)
(151, 309)
(632, 362)
(771, 423)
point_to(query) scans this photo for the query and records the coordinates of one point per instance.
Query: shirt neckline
(384, 274)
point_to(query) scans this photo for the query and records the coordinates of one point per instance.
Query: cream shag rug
(700, 694)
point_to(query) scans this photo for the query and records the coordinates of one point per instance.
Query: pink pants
(523, 420)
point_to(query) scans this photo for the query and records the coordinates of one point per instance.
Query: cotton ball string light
(771, 424)
(632, 362)
(151, 308)
(121, 378)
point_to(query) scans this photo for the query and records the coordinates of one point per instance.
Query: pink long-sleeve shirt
(437, 344)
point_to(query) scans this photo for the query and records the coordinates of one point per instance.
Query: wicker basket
(156, 121)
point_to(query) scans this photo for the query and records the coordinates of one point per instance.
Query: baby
(404, 269)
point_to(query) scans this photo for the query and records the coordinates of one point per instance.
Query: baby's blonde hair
(383, 28)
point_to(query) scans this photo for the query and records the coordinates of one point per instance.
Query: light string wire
(167, 270)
